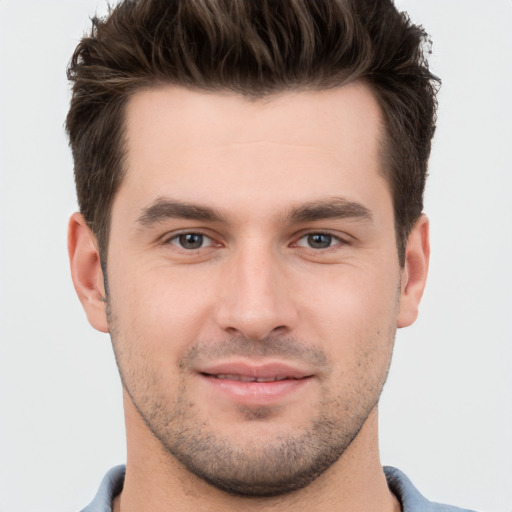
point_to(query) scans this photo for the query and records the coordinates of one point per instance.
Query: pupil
(319, 241)
(191, 241)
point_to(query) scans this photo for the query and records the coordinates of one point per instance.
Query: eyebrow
(163, 209)
(336, 208)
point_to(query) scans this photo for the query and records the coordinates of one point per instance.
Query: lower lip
(257, 393)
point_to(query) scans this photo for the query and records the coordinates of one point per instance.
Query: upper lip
(256, 370)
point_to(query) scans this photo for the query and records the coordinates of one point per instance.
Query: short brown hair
(254, 48)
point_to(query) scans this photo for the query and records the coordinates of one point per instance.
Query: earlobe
(86, 271)
(414, 273)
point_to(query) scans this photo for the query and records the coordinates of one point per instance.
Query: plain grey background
(446, 413)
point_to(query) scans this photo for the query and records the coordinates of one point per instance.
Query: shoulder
(110, 487)
(410, 497)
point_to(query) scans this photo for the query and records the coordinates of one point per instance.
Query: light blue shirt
(409, 497)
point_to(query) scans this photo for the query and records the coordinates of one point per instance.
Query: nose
(256, 301)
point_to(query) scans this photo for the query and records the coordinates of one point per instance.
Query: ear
(86, 272)
(414, 273)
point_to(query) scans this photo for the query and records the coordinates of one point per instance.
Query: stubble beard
(287, 462)
(284, 464)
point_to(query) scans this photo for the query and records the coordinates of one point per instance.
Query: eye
(191, 241)
(318, 241)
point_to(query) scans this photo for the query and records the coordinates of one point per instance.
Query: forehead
(209, 148)
(187, 117)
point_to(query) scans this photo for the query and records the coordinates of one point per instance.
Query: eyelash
(179, 239)
(176, 238)
(332, 238)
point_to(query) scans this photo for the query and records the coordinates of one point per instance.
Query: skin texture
(291, 263)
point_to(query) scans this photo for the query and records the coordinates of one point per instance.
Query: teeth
(269, 379)
(246, 378)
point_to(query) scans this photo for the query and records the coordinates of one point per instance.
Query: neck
(156, 481)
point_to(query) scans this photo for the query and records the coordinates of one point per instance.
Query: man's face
(254, 283)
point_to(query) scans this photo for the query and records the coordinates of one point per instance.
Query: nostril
(239, 316)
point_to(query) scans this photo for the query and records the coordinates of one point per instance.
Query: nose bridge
(256, 301)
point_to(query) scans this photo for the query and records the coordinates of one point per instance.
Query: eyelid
(340, 241)
(168, 238)
(206, 241)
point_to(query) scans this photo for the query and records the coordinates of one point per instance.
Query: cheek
(159, 308)
(356, 327)
(351, 309)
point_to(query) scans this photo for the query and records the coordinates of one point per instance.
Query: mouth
(254, 371)
(253, 384)
(247, 378)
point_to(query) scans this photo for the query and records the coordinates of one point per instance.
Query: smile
(247, 378)
(255, 384)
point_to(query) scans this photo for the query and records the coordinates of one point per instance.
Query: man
(250, 179)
